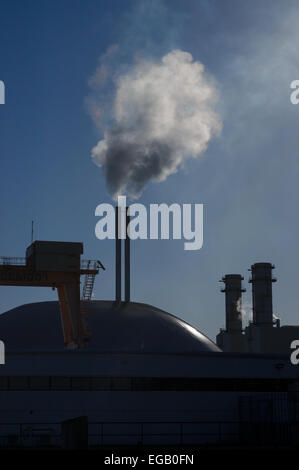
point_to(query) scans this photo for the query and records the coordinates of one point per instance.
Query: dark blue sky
(248, 179)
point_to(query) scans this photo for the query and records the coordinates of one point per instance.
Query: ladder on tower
(87, 292)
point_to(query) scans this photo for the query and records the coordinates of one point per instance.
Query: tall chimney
(127, 259)
(261, 281)
(120, 217)
(117, 255)
(233, 301)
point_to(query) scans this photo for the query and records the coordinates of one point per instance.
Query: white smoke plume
(163, 114)
(245, 310)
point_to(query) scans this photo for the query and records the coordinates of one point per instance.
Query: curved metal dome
(132, 327)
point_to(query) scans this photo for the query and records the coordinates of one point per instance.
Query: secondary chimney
(117, 255)
(261, 281)
(127, 259)
(119, 235)
(233, 301)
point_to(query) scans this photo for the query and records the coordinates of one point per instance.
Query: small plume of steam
(245, 310)
(276, 320)
(163, 114)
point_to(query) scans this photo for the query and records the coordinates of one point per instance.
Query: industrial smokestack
(117, 255)
(120, 234)
(233, 301)
(127, 259)
(261, 281)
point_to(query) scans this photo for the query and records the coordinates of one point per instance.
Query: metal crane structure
(57, 265)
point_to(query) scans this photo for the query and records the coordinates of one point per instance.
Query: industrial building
(264, 333)
(125, 373)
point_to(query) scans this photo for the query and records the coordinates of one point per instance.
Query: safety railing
(18, 261)
(45, 435)
(9, 260)
(91, 264)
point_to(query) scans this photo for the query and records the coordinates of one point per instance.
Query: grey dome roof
(132, 327)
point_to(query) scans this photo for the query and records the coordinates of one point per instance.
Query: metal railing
(164, 432)
(45, 435)
(30, 435)
(18, 261)
(15, 261)
(236, 433)
(91, 264)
